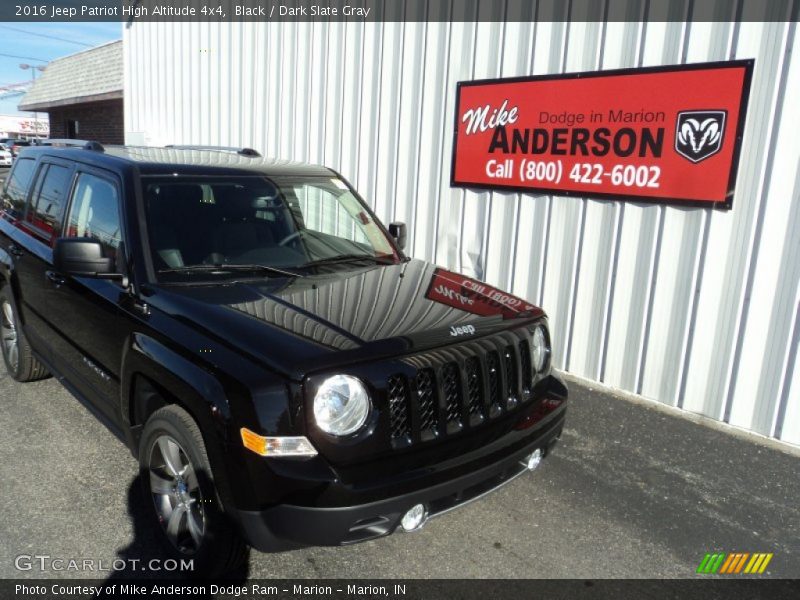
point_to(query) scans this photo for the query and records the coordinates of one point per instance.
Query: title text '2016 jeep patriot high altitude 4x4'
(285, 375)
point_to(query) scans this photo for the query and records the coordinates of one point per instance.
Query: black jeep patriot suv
(284, 374)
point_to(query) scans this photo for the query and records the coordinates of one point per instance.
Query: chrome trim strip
(523, 470)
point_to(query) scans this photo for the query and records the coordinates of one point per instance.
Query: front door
(92, 327)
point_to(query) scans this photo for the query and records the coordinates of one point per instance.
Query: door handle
(55, 278)
(15, 251)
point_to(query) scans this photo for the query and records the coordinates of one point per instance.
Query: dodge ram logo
(698, 133)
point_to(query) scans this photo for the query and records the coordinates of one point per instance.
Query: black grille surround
(460, 387)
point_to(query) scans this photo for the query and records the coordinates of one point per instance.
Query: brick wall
(98, 121)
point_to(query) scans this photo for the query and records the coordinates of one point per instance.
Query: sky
(51, 40)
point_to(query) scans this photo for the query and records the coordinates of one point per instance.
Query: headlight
(341, 406)
(541, 351)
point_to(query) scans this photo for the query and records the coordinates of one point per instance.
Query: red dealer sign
(669, 134)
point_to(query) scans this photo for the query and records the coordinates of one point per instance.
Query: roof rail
(241, 151)
(85, 144)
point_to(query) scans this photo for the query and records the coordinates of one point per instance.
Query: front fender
(195, 389)
(185, 380)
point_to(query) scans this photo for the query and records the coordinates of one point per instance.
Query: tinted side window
(95, 212)
(16, 190)
(48, 207)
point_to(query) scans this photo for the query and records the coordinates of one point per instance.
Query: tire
(18, 356)
(183, 501)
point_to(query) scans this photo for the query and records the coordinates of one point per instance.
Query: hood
(300, 325)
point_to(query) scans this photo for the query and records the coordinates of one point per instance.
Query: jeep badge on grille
(462, 330)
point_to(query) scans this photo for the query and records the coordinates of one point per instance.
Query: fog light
(414, 518)
(534, 459)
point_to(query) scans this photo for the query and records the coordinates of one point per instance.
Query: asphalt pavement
(629, 492)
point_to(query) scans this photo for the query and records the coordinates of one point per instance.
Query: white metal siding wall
(691, 307)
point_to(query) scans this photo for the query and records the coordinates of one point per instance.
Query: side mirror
(398, 231)
(83, 257)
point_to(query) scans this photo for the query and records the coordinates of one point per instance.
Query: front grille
(426, 401)
(398, 408)
(474, 387)
(452, 393)
(512, 385)
(527, 367)
(459, 387)
(495, 386)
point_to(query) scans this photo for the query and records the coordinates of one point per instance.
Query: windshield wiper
(344, 258)
(230, 268)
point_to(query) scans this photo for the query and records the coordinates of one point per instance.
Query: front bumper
(289, 526)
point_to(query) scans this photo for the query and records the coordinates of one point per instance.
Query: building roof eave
(45, 106)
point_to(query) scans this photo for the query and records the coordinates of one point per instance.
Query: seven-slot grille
(460, 387)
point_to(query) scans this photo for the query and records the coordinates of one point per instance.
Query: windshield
(223, 226)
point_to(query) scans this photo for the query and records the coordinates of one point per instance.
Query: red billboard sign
(668, 134)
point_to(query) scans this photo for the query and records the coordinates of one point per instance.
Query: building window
(73, 129)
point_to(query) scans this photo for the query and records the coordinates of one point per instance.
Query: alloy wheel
(8, 335)
(176, 494)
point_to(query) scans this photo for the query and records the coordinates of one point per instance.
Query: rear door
(37, 224)
(16, 193)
